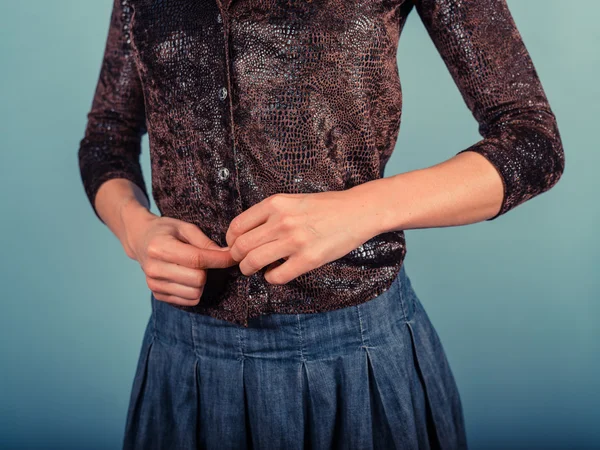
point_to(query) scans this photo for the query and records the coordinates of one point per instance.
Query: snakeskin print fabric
(242, 99)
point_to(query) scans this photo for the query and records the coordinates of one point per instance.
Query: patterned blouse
(243, 99)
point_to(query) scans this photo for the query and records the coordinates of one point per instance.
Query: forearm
(122, 205)
(461, 190)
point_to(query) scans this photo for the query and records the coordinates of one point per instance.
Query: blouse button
(223, 93)
(223, 173)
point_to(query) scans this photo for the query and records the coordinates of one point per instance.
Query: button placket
(226, 92)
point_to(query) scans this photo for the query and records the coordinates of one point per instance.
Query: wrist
(375, 196)
(133, 217)
(393, 206)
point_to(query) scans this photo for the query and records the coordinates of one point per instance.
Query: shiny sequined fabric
(243, 99)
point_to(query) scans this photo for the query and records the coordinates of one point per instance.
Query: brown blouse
(243, 99)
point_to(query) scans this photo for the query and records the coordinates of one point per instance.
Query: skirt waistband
(304, 336)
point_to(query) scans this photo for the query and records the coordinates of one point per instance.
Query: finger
(178, 252)
(209, 254)
(169, 288)
(162, 270)
(265, 255)
(175, 300)
(296, 265)
(252, 239)
(248, 219)
(191, 234)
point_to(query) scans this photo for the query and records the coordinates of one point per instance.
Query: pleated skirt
(370, 376)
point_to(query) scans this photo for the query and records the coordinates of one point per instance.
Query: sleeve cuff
(502, 164)
(92, 187)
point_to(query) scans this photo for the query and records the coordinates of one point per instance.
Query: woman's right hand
(174, 255)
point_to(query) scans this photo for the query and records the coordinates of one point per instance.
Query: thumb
(217, 256)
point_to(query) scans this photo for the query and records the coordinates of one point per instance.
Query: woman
(282, 313)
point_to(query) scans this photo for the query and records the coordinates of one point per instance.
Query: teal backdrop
(515, 300)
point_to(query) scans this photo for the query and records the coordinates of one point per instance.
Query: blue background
(514, 300)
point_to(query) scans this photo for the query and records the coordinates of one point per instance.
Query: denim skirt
(370, 376)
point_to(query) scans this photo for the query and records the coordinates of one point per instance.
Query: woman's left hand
(306, 230)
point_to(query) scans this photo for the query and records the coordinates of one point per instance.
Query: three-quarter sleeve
(111, 145)
(485, 54)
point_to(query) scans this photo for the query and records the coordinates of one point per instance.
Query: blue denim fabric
(371, 376)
